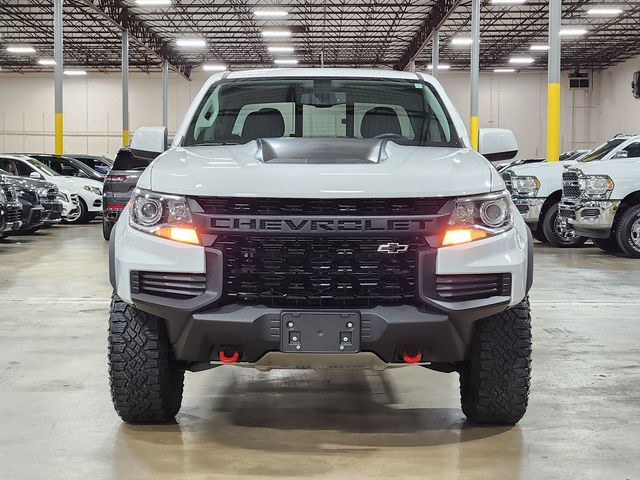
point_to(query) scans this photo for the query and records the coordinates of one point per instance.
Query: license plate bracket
(320, 332)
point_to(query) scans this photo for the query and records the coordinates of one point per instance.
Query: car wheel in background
(79, 216)
(494, 381)
(538, 234)
(146, 382)
(558, 233)
(628, 232)
(106, 228)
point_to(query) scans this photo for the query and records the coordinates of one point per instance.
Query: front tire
(628, 232)
(494, 381)
(146, 382)
(82, 216)
(557, 233)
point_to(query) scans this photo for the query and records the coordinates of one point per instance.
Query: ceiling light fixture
(153, 3)
(270, 13)
(46, 61)
(522, 60)
(461, 41)
(281, 49)
(504, 70)
(508, 2)
(572, 31)
(441, 66)
(20, 49)
(213, 67)
(286, 61)
(539, 48)
(191, 42)
(276, 33)
(605, 11)
(75, 73)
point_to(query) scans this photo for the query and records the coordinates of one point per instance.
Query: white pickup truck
(601, 196)
(319, 218)
(536, 190)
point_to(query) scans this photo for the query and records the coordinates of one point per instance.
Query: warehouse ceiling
(353, 33)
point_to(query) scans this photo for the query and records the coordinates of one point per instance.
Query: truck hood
(327, 168)
(542, 168)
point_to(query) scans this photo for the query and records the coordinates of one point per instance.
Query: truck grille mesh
(321, 207)
(570, 186)
(508, 181)
(316, 271)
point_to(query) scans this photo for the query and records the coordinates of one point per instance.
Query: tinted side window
(125, 160)
(631, 151)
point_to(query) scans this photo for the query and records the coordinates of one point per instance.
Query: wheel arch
(629, 201)
(552, 199)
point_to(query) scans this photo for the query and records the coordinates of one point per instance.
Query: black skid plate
(320, 332)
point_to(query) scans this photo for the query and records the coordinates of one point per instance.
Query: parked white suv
(536, 189)
(601, 196)
(81, 197)
(316, 218)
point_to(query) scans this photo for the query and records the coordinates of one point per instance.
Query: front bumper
(32, 216)
(198, 328)
(13, 217)
(52, 211)
(590, 218)
(529, 208)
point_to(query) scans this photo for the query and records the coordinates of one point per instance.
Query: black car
(67, 166)
(11, 207)
(40, 194)
(99, 163)
(119, 185)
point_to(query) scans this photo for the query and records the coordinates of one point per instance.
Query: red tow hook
(224, 358)
(412, 358)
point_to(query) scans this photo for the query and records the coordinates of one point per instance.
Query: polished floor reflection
(57, 420)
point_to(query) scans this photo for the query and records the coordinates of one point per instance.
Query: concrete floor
(56, 418)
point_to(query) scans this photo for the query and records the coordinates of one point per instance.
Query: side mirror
(35, 175)
(149, 142)
(497, 144)
(622, 154)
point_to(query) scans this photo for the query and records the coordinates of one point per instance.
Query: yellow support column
(553, 122)
(473, 127)
(125, 138)
(59, 148)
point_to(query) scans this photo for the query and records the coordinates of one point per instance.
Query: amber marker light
(179, 234)
(462, 235)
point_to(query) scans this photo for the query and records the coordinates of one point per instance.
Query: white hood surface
(241, 171)
(74, 183)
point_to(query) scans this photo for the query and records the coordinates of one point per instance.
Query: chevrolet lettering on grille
(318, 225)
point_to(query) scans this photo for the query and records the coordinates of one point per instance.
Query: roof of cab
(324, 72)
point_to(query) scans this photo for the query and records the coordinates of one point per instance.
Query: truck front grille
(321, 207)
(473, 287)
(180, 286)
(508, 181)
(318, 271)
(570, 185)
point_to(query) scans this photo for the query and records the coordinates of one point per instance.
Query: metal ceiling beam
(117, 13)
(439, 14)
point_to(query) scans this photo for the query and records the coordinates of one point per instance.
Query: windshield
(407, 112)
(41, 166)
(602, 151)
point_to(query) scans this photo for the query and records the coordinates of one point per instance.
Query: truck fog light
(462, 235)
(179, 234)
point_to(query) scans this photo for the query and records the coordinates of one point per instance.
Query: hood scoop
(321, 150)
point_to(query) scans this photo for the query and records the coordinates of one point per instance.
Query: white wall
(93, 114)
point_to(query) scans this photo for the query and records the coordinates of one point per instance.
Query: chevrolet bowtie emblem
(392, 248)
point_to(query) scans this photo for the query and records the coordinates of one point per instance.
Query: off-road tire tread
(622, 231)
(146, 383)
(538, 234)
(494, 382)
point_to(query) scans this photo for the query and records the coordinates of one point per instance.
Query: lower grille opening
(180, 286)
(473, 287)
(318, 271)
(13, 214)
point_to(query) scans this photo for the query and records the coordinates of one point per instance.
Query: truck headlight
(598, 186)
(163, 215)
(479, 217)
(526, 186)
(92, 189)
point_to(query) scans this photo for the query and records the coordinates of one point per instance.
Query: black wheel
(538, 234)
(106, 229)
(609, 245)
(559, 233)
(81, 215)
(494, 382)
(628, 232)
(146, 383)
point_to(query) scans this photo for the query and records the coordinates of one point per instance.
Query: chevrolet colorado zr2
(319, 218)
